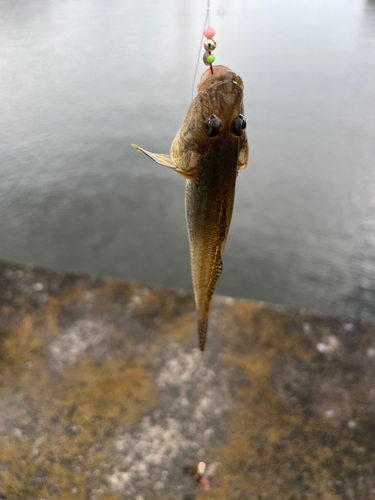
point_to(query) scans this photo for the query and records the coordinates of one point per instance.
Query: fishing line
(206, 23)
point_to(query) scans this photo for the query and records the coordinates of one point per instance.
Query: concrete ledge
(104, 395)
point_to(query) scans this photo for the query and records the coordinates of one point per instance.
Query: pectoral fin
(164, 160)
(243, 153)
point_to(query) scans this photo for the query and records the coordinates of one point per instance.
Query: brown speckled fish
(208, 150)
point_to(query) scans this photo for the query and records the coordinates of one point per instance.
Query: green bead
(208, 58)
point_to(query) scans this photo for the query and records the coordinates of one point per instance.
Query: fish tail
(202, 329)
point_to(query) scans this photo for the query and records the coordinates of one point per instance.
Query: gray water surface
(82, 79)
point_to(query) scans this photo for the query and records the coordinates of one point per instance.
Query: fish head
(214, 122)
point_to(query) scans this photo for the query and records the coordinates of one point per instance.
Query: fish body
(208, 150)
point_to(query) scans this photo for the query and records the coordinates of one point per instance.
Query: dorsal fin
(217, 265)
(216, 270)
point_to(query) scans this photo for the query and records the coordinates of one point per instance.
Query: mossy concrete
(104, 395)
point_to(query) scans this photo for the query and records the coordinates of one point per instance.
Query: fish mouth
(221, 74)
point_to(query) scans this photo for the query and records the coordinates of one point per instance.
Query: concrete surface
(105, 395)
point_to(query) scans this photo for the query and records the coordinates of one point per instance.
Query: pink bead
(209, 32)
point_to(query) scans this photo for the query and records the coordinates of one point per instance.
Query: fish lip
(222, 75)
(218, 84)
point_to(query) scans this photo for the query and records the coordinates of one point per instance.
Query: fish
(209, 149)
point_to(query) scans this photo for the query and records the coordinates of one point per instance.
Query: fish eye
(238, 125)
(213, 126)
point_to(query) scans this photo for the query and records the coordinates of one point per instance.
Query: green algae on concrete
(104, 395)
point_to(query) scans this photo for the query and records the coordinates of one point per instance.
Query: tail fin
(202, 329)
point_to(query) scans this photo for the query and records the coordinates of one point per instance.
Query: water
(82, 79)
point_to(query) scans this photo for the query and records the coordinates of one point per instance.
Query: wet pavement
(105, 395)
